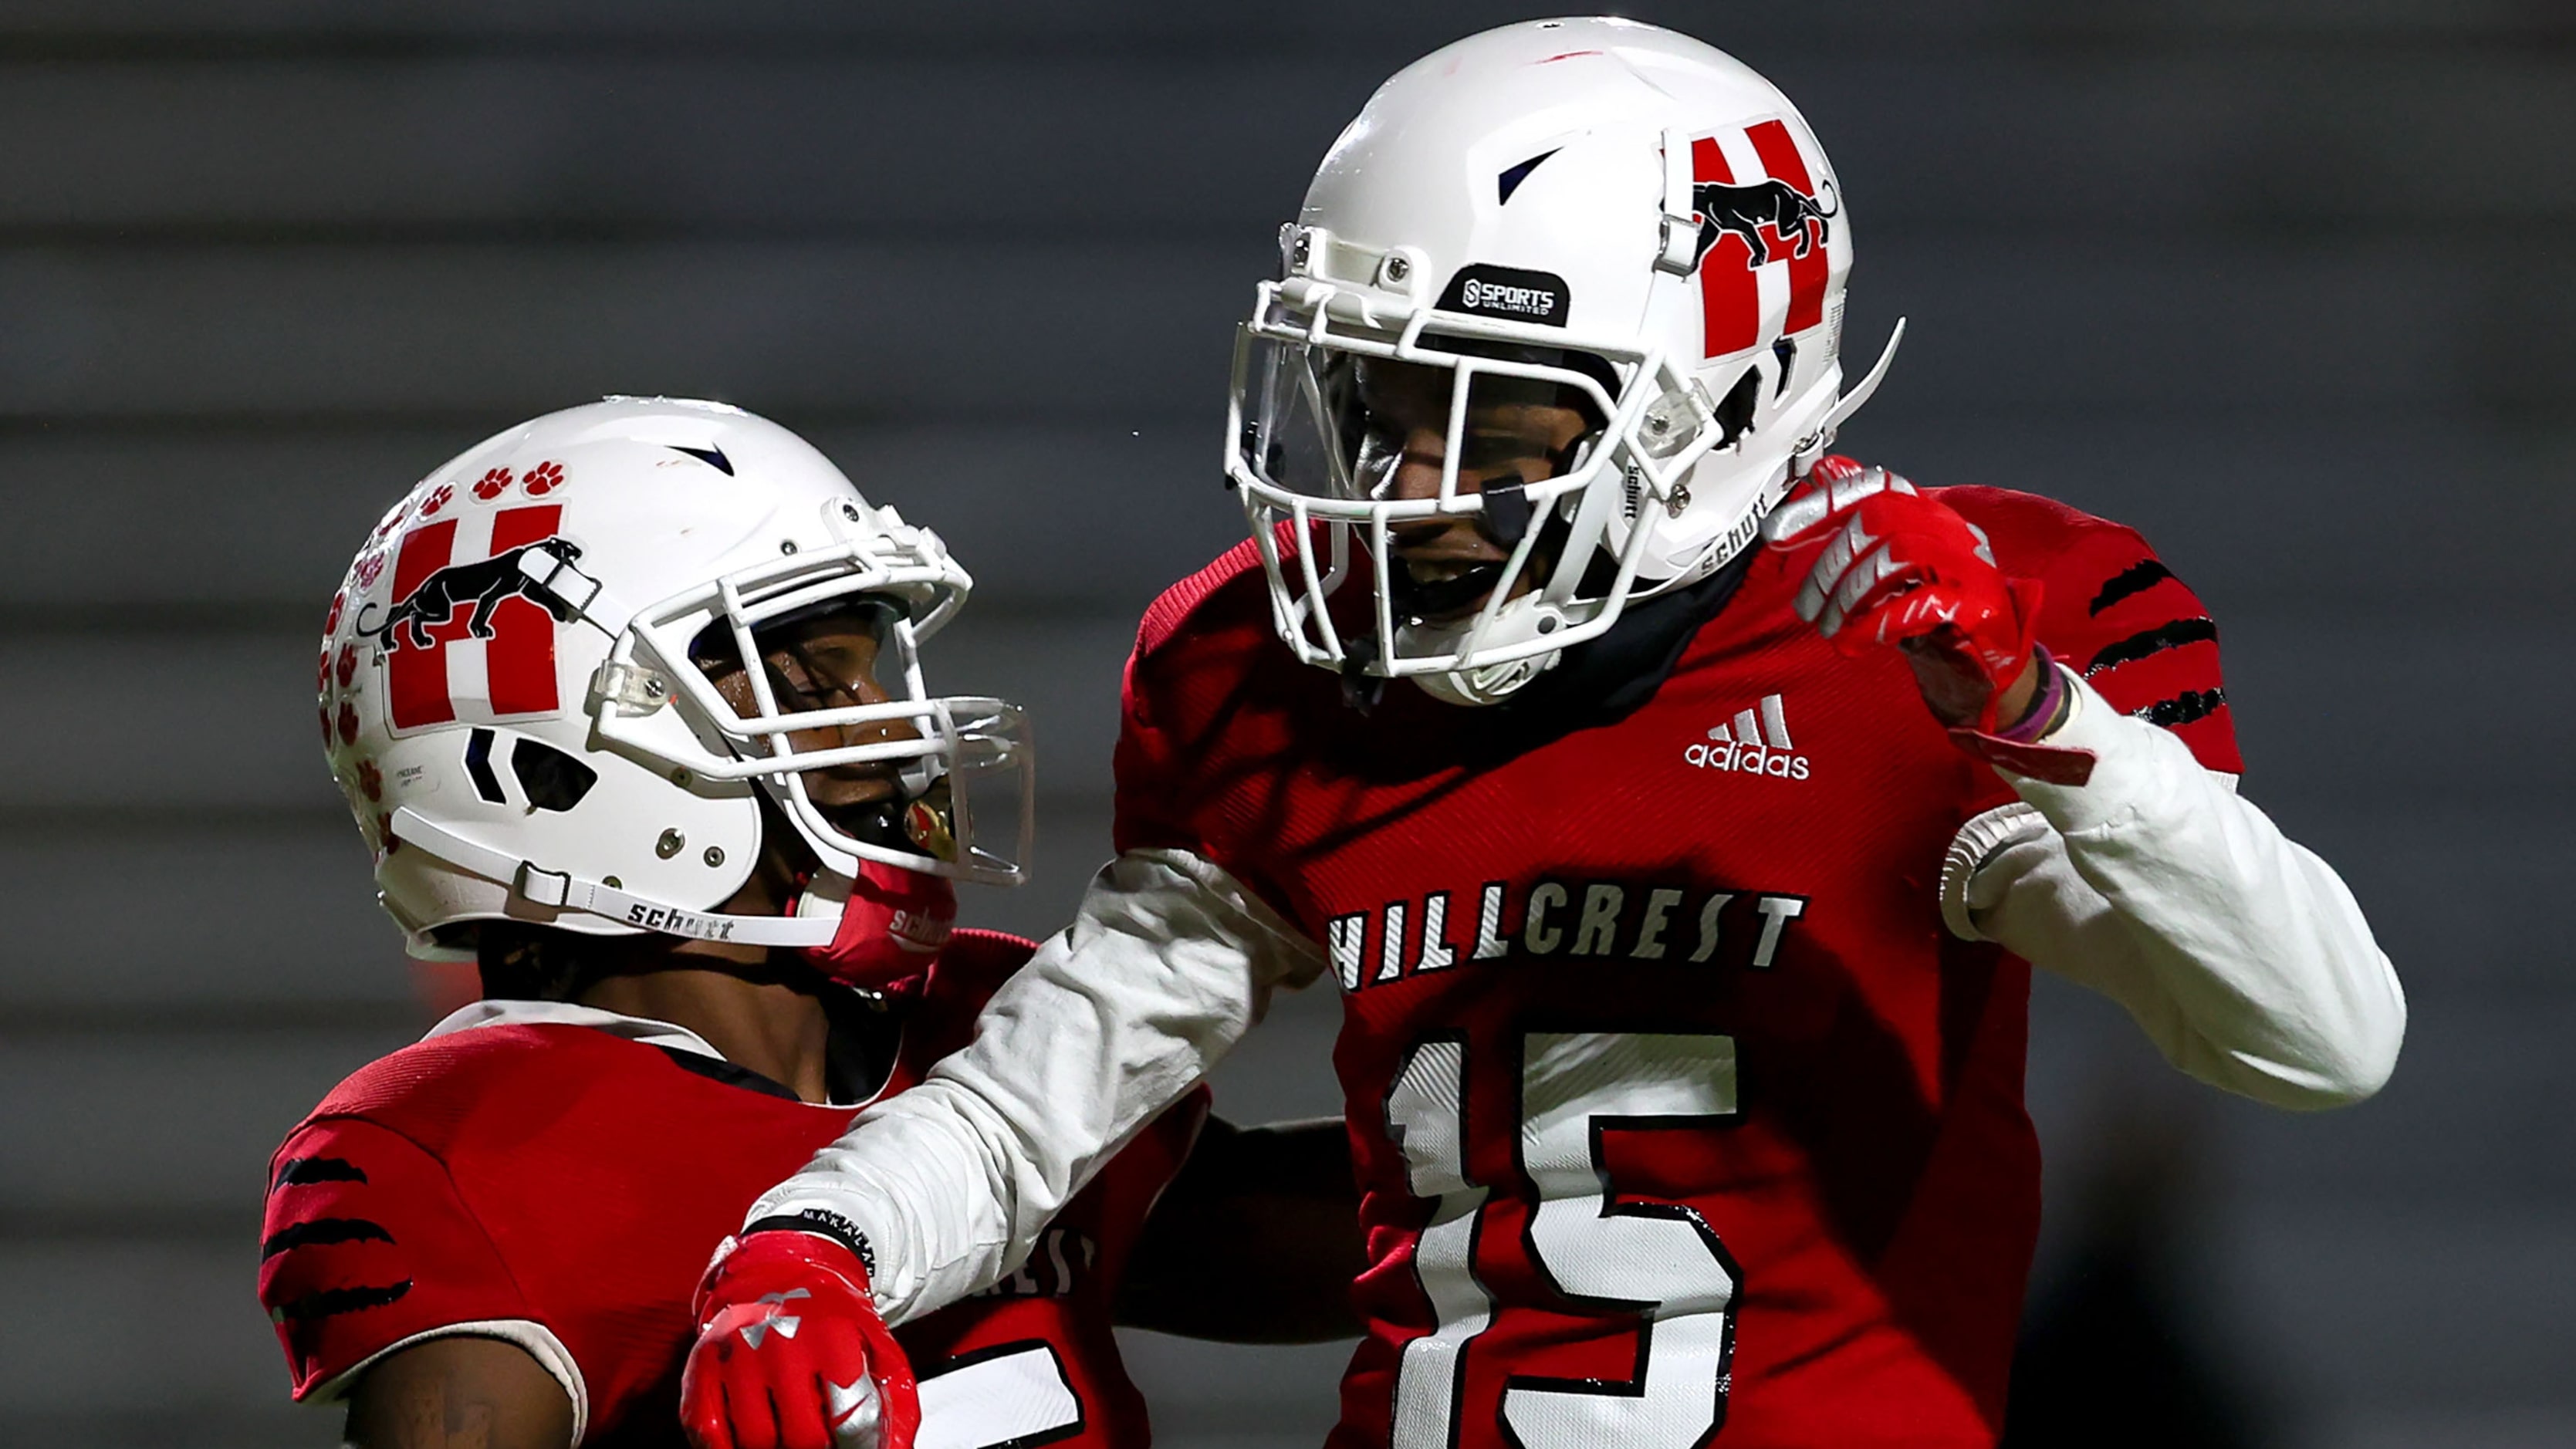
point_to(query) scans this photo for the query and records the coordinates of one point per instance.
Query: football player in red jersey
(1681, 885)
(670, 774)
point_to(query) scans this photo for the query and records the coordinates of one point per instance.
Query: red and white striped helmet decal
(1739, 292)
(514, 669)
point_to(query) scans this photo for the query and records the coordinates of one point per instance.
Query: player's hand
(791, 1353)
(1894, 567)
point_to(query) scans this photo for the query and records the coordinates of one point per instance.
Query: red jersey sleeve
(366, 1244)
(1147, 765)
(1188, 776)
(2115, 614)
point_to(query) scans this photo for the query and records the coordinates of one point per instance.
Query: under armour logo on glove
(783, 1324)
(828, 1375)
(856, 1411)
(1895, 567)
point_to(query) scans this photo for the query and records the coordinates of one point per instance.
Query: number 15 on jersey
(1657, 1263)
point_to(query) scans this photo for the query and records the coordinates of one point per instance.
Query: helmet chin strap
(892, 923)
(1473, 688)
(559, 890)
(1517, 620)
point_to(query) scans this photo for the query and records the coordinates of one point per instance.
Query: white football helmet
(511, 705)
(1598, 204)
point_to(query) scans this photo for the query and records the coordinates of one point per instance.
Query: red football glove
(1895, 567)
(791, 1353)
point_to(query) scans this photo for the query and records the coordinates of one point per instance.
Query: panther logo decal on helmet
(497, 603)
(1748, 210)
(476, 587)
(1780, 217)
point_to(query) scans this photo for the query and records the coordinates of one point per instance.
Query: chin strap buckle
(1678, 251)
(541, 886)
(575, 594)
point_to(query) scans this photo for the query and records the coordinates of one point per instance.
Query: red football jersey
(563, 1187)
(1676, 1111)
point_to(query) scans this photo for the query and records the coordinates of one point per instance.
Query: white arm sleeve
(1168, 964)
(2240, 952)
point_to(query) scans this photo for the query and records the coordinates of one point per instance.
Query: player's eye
(847, 665)
(824, 658)
(1381, 449)
(787, 677)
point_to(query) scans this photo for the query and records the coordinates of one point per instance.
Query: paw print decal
(367, 570)
(348, 664)
(492, 484)
(429, 506)
(371, 779)
(543, 479)
(322, 677)
(325, 713)
(331, 620)
(348, 723)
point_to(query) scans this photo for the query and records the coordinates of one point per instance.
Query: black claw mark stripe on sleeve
(330, 1301)
(298, 1171)
(2136, 579)
(321, 1232)
(2155, 641)
(2183, 708)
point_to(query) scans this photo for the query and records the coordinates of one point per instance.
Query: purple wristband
(2045, 705)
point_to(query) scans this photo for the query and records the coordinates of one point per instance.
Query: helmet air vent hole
(714, 856)
(1510, 181)
(552, 779)
(478, 767)
(713, 457)
(1735, 410)
(670, 843)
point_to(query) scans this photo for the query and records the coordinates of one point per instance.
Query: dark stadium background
(2286, 283)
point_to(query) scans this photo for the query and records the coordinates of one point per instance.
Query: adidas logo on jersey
(1751, 745)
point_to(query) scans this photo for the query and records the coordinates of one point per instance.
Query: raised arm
(2130, 864)
(2239, 952)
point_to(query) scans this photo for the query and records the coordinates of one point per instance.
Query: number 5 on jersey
(1657, 1261)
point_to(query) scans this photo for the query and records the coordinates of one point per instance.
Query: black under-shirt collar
(1604, 680)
